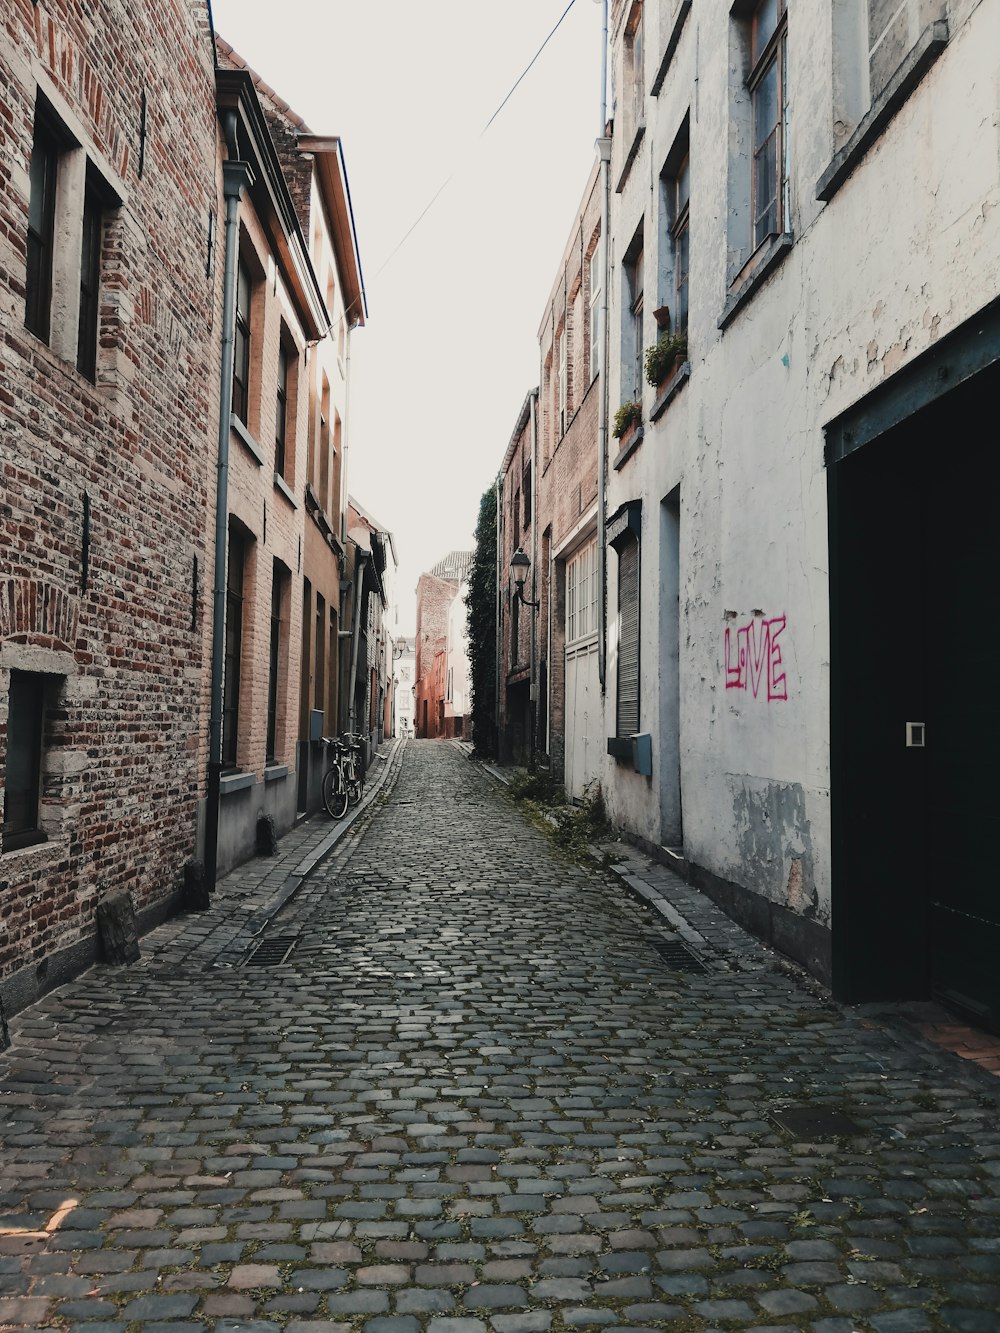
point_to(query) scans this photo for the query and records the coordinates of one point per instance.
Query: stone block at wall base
(31, 983)
(805, 941)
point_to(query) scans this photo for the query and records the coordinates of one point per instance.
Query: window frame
(563, 378)
(680, 238)
(29, 713)
(233, 656)
(625, 550)
(773, 54)
(278, 580)
(281, 410)
(635, 52)
(635, 279)
(242, 338)
(92, 239)
(594, 278)
(46, 150)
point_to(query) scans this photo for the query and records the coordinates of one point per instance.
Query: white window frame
(595, 311)
(563, 379)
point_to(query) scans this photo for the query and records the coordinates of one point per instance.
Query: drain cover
(815, 1122)
(676, 954)
(272, 951)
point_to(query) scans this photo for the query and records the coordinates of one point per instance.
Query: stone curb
(259, 919)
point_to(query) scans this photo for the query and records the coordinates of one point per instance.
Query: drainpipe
(604, 151)
(498, 637)
(236, 177)
(361, 558)
(533, 690)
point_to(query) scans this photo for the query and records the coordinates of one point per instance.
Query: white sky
(450, 349)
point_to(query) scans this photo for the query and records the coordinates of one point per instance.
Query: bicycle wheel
(334, 793)
(355, 785)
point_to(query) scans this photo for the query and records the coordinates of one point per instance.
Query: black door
(914, 615)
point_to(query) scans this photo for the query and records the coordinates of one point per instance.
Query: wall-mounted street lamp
(520, 567)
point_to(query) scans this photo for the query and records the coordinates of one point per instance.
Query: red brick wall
(122, 764)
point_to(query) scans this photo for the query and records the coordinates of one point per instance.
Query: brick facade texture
(565, 499)
(120, 647)
(434, 599)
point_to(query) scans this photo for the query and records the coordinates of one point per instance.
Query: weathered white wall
(905, 251)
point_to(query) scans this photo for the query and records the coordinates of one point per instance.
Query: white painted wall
(905, 251)
(457, 665)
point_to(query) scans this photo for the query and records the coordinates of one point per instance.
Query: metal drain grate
(272, 951)
(816, 1122)
(676, 954)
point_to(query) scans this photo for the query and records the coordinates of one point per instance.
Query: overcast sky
(451, 347)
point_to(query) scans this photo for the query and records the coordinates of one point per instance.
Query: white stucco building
(799, 532)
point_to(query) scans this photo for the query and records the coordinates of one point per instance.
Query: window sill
(233, 782)
(280, 484)
(770, 255)
(253, 448)
(929, 45)
(670, 391)
(632, 442)
(24, 842)
(683, 11)
(275, 772)
(630, 157)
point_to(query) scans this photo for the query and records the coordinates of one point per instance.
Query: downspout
(533, 689)
(499, 624)
(236, 177)
(604, 151)
(360, 560)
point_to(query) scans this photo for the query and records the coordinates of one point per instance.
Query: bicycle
(354, 767)
(335, 784)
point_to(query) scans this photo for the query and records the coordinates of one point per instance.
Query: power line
(448, 179)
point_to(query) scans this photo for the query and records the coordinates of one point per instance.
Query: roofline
(328, 150)
(235, 91)
(570, 246)
(522, 421)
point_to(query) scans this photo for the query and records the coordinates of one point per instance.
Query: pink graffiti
(758, 658)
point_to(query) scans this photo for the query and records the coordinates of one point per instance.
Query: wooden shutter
(628, 639)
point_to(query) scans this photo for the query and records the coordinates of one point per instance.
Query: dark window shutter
(628, 639)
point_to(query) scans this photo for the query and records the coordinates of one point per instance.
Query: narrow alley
(475, 1096)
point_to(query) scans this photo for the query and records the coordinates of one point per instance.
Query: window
(515, 628)
(526, 492)
(281, 411)
(241, 350)
(767, 85)
(324, 446)
(25, 739)
(628, 638)
(634, 68)
(595, 311)
(90, 281)
(562, 380)
(279, 584)
(679, 237)
(41, 231)
(517, 517)
(632, 346)
(234, 648)
(581, 594)
(320, 680)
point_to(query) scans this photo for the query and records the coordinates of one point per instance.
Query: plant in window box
(665, 356)
(628, 416)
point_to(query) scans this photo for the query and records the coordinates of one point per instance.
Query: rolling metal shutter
(628, 638)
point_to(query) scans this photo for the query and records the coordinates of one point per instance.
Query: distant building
(404, 678)
(372, 559)
(436, 591)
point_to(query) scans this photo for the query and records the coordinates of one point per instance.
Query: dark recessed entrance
(915, 605)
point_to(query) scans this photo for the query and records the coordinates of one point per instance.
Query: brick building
(108, 375)
(550, 703)
(315, 450)
(372, 556)
(436, 591)
(279, 313)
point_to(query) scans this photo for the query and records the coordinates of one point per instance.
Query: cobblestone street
(477, 1098)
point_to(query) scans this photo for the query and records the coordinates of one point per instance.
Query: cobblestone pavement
(477, 1098)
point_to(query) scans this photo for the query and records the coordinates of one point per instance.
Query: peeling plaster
(774, 842)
